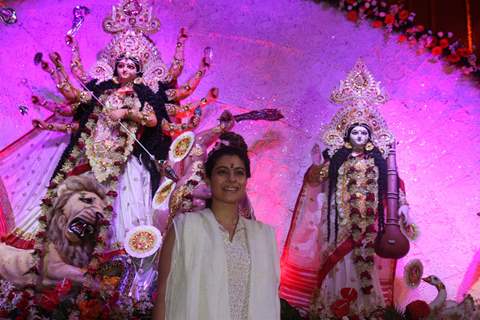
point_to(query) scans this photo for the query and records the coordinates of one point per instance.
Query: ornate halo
(131, 22)
(143, 241)
(412, 273)
(360, 95)
(161, 197)
(181, 146)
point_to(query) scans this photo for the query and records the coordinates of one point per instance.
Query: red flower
(404, 14)
(370, 211)
(52, 185)
(23, 303)
(47, 202)
(89, 309)
(437, 51)
(354, 212)
(371, 228)
(40, 235)
(340, 308)
(351, 1)
(389, 19)
(93, 116)
(118, 163)
(81, 144)
(370, 197)
(349, 294)
(120, 149)
(42, 218)
(417, 309)
(352, 16)
(420, 28)
(444, 43)
(112, 193)
(355, 227)
(104, 222)
(352, 182)
(87, 131)
(402, 38)
(109, 208)
(453, 58)
(114, 178)
(48, 300)
(63, 287)
(366, 275)
(432, 42)
(367, 290)
(377, 24)
(370, 181)
(464, 52)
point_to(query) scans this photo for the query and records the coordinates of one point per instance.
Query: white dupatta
(197, 287)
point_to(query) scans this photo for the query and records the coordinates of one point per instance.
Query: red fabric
(78, 170)
(6, 213)
(17, 242)
(340, 252)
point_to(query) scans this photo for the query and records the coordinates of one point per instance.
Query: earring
(115, 79)
(369, 146)
(347, 145)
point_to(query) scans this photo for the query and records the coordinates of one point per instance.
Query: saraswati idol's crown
(360, 95)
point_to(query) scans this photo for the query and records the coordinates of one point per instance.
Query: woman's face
(359, 136)
(126, 70)
(228, 180)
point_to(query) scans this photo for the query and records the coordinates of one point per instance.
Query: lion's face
(81, 214)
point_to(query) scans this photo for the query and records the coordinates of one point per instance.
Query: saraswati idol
(345, 232)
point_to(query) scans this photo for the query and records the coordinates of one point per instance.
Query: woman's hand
(118, 114)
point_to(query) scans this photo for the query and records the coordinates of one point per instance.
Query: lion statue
(71, 232)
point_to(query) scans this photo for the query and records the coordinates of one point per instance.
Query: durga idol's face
(126, 70)
(359, 136)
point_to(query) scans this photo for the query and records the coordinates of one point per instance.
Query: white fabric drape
(197, 287)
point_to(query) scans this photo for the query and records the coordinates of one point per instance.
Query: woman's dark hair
(230, 144)
(337, 161)
(133, 59)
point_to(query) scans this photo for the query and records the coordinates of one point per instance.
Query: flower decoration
(394, 18)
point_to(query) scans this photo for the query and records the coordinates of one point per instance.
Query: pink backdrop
(290, 55)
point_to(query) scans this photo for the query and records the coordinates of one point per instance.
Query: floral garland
(361, 177)
(394, 18)
(47, 202)
(182, 198)
(68, 301)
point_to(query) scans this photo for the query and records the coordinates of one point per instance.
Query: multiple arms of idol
(186, 116)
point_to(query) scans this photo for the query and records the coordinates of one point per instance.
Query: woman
(215, 264)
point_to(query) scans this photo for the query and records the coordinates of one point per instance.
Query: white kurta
(198, 285)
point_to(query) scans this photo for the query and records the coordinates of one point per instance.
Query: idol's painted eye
(87, 200)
